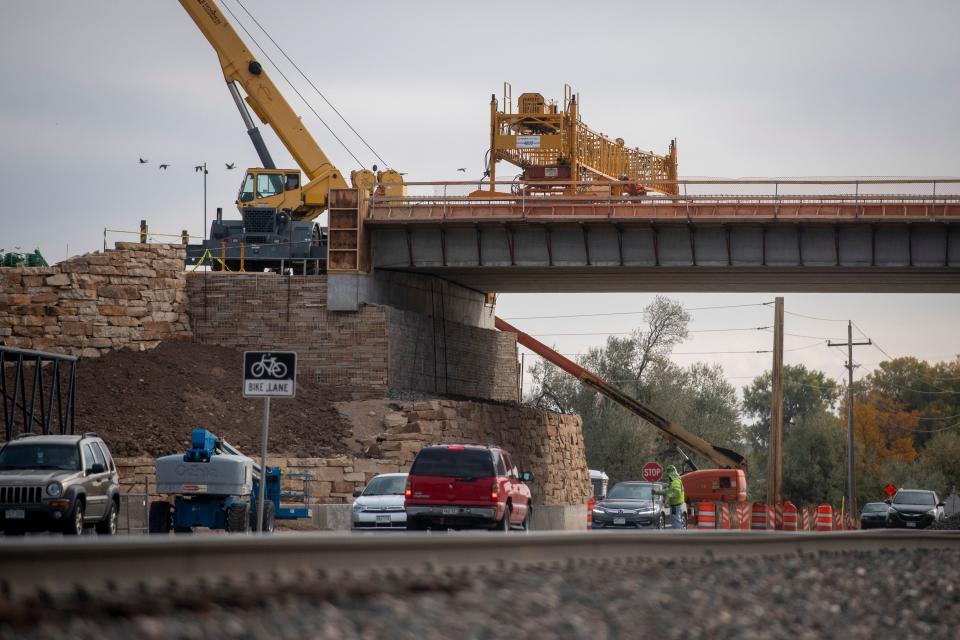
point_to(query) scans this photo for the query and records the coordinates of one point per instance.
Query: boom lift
(216, 486)
(727, 483)
(553, 146)
(277, 209)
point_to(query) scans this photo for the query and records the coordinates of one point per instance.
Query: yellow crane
(269, 186)
(552, 145)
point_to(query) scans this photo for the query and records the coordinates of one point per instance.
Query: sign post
(652, 472)
(268, 374)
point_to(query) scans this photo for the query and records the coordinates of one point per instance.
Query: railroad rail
(59, 567)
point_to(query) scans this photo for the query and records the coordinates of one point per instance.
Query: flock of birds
(200, 167)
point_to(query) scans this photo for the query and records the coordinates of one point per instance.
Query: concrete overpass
(770, 235)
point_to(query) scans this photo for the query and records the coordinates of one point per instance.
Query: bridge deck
(732, 242)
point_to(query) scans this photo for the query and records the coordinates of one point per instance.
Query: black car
(630, 505)
(874, 515)
(914, 509)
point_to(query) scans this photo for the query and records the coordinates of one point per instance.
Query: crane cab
(278, 189)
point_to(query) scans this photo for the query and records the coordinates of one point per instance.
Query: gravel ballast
(896, 593)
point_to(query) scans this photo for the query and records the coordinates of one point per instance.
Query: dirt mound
(146, 403)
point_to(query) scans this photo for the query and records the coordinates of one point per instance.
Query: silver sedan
(380, 504)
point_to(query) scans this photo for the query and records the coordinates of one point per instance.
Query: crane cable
(310, 82)
(295, 90)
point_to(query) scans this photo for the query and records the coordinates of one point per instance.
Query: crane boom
(723, 458)
(240, 66)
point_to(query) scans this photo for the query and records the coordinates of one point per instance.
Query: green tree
(618, 442)
(805, 392)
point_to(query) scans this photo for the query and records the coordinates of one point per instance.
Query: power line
(292, 86)
(630, 313)
(304, 76)
(629, 333)
(801, 315)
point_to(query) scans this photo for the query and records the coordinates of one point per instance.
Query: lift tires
(236, 518)
(269, 517)
(160, 517)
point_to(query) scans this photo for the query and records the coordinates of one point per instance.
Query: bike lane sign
(269, 374)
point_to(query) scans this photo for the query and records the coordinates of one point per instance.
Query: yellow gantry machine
(554, 147)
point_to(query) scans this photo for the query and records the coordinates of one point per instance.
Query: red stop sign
(890, 490)
(652, 472)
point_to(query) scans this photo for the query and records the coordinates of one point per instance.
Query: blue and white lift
(215, 486)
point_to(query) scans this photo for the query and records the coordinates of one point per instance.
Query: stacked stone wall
(130, 297)
(550, 445)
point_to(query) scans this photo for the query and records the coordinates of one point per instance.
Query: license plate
(619, 521)
(383, 519)
(449, 511)
(16, 514)
(911, 524)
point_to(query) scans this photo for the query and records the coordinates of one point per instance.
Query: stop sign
(652, 472)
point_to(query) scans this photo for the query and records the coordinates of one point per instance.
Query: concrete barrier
(559, 518)
(336, 517)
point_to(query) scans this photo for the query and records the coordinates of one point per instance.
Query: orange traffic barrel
(790, 516)
(706, 515)
(824, 518)
(743, 516)
(590, 505)
(758, 517)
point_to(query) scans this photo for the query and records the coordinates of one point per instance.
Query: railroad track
(59, 567)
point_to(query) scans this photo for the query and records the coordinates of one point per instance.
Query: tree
(616, 441)
(805, 392)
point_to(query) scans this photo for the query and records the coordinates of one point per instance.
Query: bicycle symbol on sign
(268, 366)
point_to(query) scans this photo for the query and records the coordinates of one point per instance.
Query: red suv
(459, 486)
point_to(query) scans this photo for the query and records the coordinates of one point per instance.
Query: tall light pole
(197, 169)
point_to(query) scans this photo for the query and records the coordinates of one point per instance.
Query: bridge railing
(851, 194)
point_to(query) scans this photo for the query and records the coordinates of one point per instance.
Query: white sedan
(380, 504)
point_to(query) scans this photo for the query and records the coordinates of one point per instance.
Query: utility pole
(775, 441)
(851, 474)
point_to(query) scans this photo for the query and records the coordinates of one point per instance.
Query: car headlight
(357, 508)
(55, 489)
(600, 510)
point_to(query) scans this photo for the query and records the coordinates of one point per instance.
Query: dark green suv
(58, 483)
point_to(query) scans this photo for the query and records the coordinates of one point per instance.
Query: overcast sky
(749, 89)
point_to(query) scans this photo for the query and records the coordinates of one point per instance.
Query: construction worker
(675, 498)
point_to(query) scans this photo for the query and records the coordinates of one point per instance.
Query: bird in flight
(142, 161)
(164, 166)
(200, 168)
(231, 165)
(462, 169)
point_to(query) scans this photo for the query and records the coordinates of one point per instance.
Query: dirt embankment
(146, 403)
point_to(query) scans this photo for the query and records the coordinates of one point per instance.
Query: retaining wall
(371, 350)
(130, 297)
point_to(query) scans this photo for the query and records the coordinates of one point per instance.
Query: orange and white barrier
(758, 517)
(706, 515)
(726, 513)
(590, 505)
(789, 516)
(824, 518)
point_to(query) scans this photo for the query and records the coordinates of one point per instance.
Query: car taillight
(455, 447)
(408, 491)
(495, 492)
